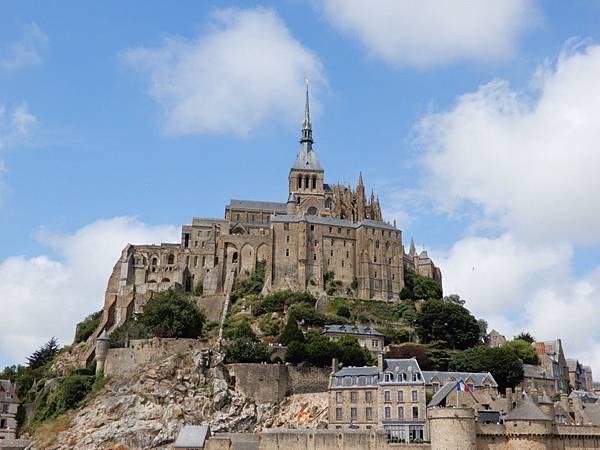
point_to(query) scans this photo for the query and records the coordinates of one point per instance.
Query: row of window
(368, 395)
(387, 396)
(401, 377)
(387, 412)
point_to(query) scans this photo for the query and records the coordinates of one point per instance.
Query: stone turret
(452, 428)
(102, 345)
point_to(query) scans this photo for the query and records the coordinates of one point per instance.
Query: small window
(312, 228)
(400, 412)
(203, 261)
(314, 257)
(415, 396)
(338, 414)
(286, 226)
(331, 252)
(387, 395)
(339, 230)
(338, 397)
(415, 411)
(353, 414)
(203, 244)
(369, 413)
(400, 396)
(287, 252)
(287, 239)
(195, 244)
(353, 396)
(342, 263)
(388, 412)
(368, 396)
(330, 229)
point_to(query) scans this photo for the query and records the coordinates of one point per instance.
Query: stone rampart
(303, 380)
(210, 305)
(267, 383)
(142, 351)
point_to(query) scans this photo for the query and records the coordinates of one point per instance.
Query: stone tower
(306, 178)
(102, 345)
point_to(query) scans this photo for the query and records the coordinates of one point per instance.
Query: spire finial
(306, 135)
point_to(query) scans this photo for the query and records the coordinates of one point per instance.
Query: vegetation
(501, 362)
(319, 351)
(246, 350)
(291, 332)
(394, 335)
(277, 301)
(524, 351)
(418, 287)
(169, 314)
(372, 311)
(43, 355)
(251, 285)
(239, 328)
(446, 321)
(86, 327)
(525, 336)
(407, 351)
(331, 284)
(269, 326)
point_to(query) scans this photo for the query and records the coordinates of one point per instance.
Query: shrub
(245, 350)
(295, 353)
(407, 351)
(394, 335)
(86, 327)
(251, 285)
(170, 314)
(331, 284)
(132, 329)
(268, 326)
(276, 301)
(239, 328)
(291, 332)
(307, 313)
(343, 311)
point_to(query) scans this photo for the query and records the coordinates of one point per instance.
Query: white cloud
(244, 69)
(528, 160)
(430, 32)
(520, 287)
(46, 296)
(27, 51)
(526, 163)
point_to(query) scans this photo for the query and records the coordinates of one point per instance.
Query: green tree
(418, 287)
(240, 330)
(349, 352)
(524, 350)
(444, 321)
(87, 326)
(132, 329)
(43, 355)
(453, 298)
(407, 351)
(291, 332)
(525, 336)
(295, 353)
(483, 325)
(170, 314)
(343, 311)
(394, 335)
(245, 350)
(501, 362)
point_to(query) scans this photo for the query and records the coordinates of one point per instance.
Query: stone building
(390, 396)
(576, 374)
(320, 229)
(539, 379)
(494, 339)
(552, 359)
(9, 404)
(367, 337)
(480, 381)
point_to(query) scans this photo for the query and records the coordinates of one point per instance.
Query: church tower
(306, 190)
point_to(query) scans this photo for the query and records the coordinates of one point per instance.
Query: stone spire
(413, 250)
(306, 134)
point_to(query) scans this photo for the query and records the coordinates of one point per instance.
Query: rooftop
(478, 378)
(351, 329)
(334, 221)
(527, 411)
(257, 205)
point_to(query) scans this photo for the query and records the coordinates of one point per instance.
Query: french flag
(460, 386)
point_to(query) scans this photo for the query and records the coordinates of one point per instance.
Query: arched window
(314, 182)
(299, 181)
(154, 261)
(306, 182)
(171, 259)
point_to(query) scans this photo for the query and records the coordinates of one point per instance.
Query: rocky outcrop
(146, 410)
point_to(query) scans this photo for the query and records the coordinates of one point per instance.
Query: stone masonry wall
(303, 380)
(267, 383)
(141, 351)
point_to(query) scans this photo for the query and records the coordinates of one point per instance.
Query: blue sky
(98, 155)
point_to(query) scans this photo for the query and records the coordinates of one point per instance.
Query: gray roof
(592, 412)
(307, 158)
(351, 329)
(355, 371)
(257, 205)
(401, 365)
(584, 395)
(333, 221)
(442, 393)
(572, 364)
(477, 377)
(533, 371)
(527, 411)
(192, 436)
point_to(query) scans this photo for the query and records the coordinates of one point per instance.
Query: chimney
(380, 362)
(509, 398)
(334, 365)
(518, 395)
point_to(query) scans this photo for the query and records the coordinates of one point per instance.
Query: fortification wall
(267, 383)
(303, 380)
(210, 305)
(330, 440)
(142, 351)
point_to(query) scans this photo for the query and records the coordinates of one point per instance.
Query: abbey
(321, 229)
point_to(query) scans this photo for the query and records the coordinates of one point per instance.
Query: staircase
(227, 288)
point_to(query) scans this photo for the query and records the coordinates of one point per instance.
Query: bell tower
(306, 192)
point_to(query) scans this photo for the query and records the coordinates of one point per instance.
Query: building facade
(321, 229)
(552, 359)
(9, 404)
(390, 396)
(367, 337)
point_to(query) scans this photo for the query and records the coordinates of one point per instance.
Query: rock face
(146, 411)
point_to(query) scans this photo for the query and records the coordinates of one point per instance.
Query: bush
(445, 321)
(251, 285)
(291, 332)
(307, 314)
(331, 284)
(132, 329)
(171, 315)
(343, 311)
(394, 335)
(239, 328)
(319, 351)
(295, 353)
(86, 327)
(268, 326)
(501, 362)
(418, 287)
(245, 350)
(276, 301)
(69, 394)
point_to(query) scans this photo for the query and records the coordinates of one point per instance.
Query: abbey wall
(322, 229)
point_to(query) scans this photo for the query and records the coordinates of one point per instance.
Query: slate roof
(307, 159)
(401, 365)
(592, 411)
(351, 329)
(527, 411)
(6, 390)
(192, 436)
(333, 221)
(442, 393)
(586, 396)
(477, 377)
(533, 371)
(257, 205)
(355, 371)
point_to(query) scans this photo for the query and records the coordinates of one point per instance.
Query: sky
(475, 122)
